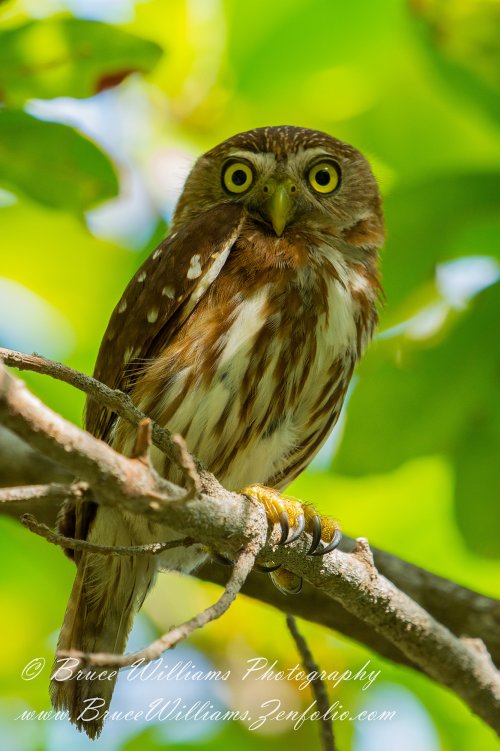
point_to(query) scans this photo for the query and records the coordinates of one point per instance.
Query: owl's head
(286, 177)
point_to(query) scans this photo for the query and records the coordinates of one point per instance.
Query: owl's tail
(106, 594)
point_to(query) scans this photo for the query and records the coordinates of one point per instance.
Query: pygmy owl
(240, 332)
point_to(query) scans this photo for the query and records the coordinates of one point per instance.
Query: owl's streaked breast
(256, 380)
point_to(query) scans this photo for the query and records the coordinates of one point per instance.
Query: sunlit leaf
(68, 57)
(53, 163)
(462, 40)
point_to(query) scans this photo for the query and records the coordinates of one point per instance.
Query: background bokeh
(104, 106)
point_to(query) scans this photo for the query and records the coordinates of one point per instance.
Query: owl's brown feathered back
(148, 312)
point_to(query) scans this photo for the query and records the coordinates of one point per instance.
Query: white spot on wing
(211, 274)
(141, 276)
(156, 254)
(168, 291)
(122, 306)
(153, 315)
(194, 270)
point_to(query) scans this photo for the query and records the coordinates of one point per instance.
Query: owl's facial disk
(288, 179)
(274, 200)
(281, 196)
(276, 192)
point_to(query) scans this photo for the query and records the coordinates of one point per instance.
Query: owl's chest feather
(263, 377)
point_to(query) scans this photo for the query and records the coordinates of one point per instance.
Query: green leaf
(435, 397)
(462, 41)
(425, 225)
(477, 483)
(68, 57)
(53, 163)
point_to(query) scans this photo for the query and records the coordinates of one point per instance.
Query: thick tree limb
(21, 465)
(230, 522)
(460, 609)
(315, 606)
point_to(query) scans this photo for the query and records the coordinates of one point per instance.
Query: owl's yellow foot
(287, 512)
(293, 515)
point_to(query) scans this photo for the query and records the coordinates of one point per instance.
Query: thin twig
(142, 440)
(117, 401)
(53, 491)
(152, 548)
(186, 463)
(317, 685)
(242, 568)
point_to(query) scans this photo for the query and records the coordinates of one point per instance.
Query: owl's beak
(279, 206)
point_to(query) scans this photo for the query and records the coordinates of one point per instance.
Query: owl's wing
(160, 296)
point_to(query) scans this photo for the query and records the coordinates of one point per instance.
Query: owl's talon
(316, 534)
(266, 569)
(294, 518)
(297, 530)
(287, 582)
(337, 537)
(222, 559)
(285, 527)
(259, 567)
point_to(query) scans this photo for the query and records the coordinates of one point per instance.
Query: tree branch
(55, 493)
(115, 400)
(241, 569)
(152, 548)
(459, 608)
(229, 522)
(22, 465)
(317, 685)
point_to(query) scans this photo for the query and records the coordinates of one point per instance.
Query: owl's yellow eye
(324, 177)
(237, 177)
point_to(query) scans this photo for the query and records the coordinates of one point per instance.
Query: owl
(240, 332)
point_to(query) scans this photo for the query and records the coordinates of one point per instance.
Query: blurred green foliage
(458, 420)
(30, 147)
(68, 57)
(416, 86)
